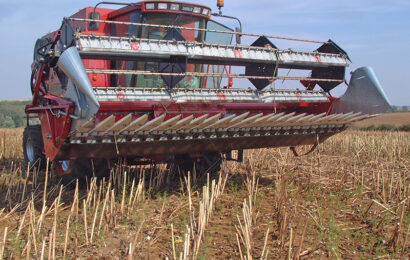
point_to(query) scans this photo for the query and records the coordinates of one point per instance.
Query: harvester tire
(33, 147)
(81, 170)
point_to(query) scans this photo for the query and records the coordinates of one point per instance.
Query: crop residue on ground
(348, 199)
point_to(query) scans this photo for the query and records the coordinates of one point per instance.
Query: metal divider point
(352, 115)
(184, 122)
(359, 118)
(272, 118)
(87, 126)
(276, 120)
(248, 121)
(104, 125)
(120, 124)
(235, 120)
(220, 122)
(326, 119)
(336, 119)
(292, 119)
(305, 119)
(263, 120)
(318, 117)
(151, 124)
(347, 115)
(209, 121)
(340, 119)
(137, 123)
(198, 121)
(167, 124)
(228, 123)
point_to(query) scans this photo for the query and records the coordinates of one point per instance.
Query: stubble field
(397, 119)
(347, 200)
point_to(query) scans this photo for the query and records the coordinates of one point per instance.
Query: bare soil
(347, 200)
(396, 119)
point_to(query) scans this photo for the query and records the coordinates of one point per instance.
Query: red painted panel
(100, 80)
(55, 126)
(104, 29)
(55, 131)
(158, 108)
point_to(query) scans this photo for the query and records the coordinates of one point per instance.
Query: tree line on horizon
(12, 114)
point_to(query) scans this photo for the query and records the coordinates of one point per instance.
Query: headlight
(178, 7)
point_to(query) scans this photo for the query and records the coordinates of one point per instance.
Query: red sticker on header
(135, 46)
(121, 95)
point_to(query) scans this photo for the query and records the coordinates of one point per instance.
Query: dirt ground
(347, 200)
(397, 119)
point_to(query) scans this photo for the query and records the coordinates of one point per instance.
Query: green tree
(6, 121)
(12, 111)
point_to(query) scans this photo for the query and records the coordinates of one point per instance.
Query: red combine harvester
(154, 82)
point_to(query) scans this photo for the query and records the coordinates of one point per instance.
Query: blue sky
(375, 33)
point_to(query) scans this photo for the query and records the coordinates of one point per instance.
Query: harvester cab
(154, 81)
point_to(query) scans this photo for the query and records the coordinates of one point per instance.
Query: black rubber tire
(208, 163)
(33, 147)
(81, 170)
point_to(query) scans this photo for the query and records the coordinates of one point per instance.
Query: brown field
(397, 119)
(347, 200)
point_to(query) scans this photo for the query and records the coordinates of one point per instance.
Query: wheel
(80, 169)
(208, 163)
(33, 147)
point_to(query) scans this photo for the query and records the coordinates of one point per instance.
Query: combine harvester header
(144, 83)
